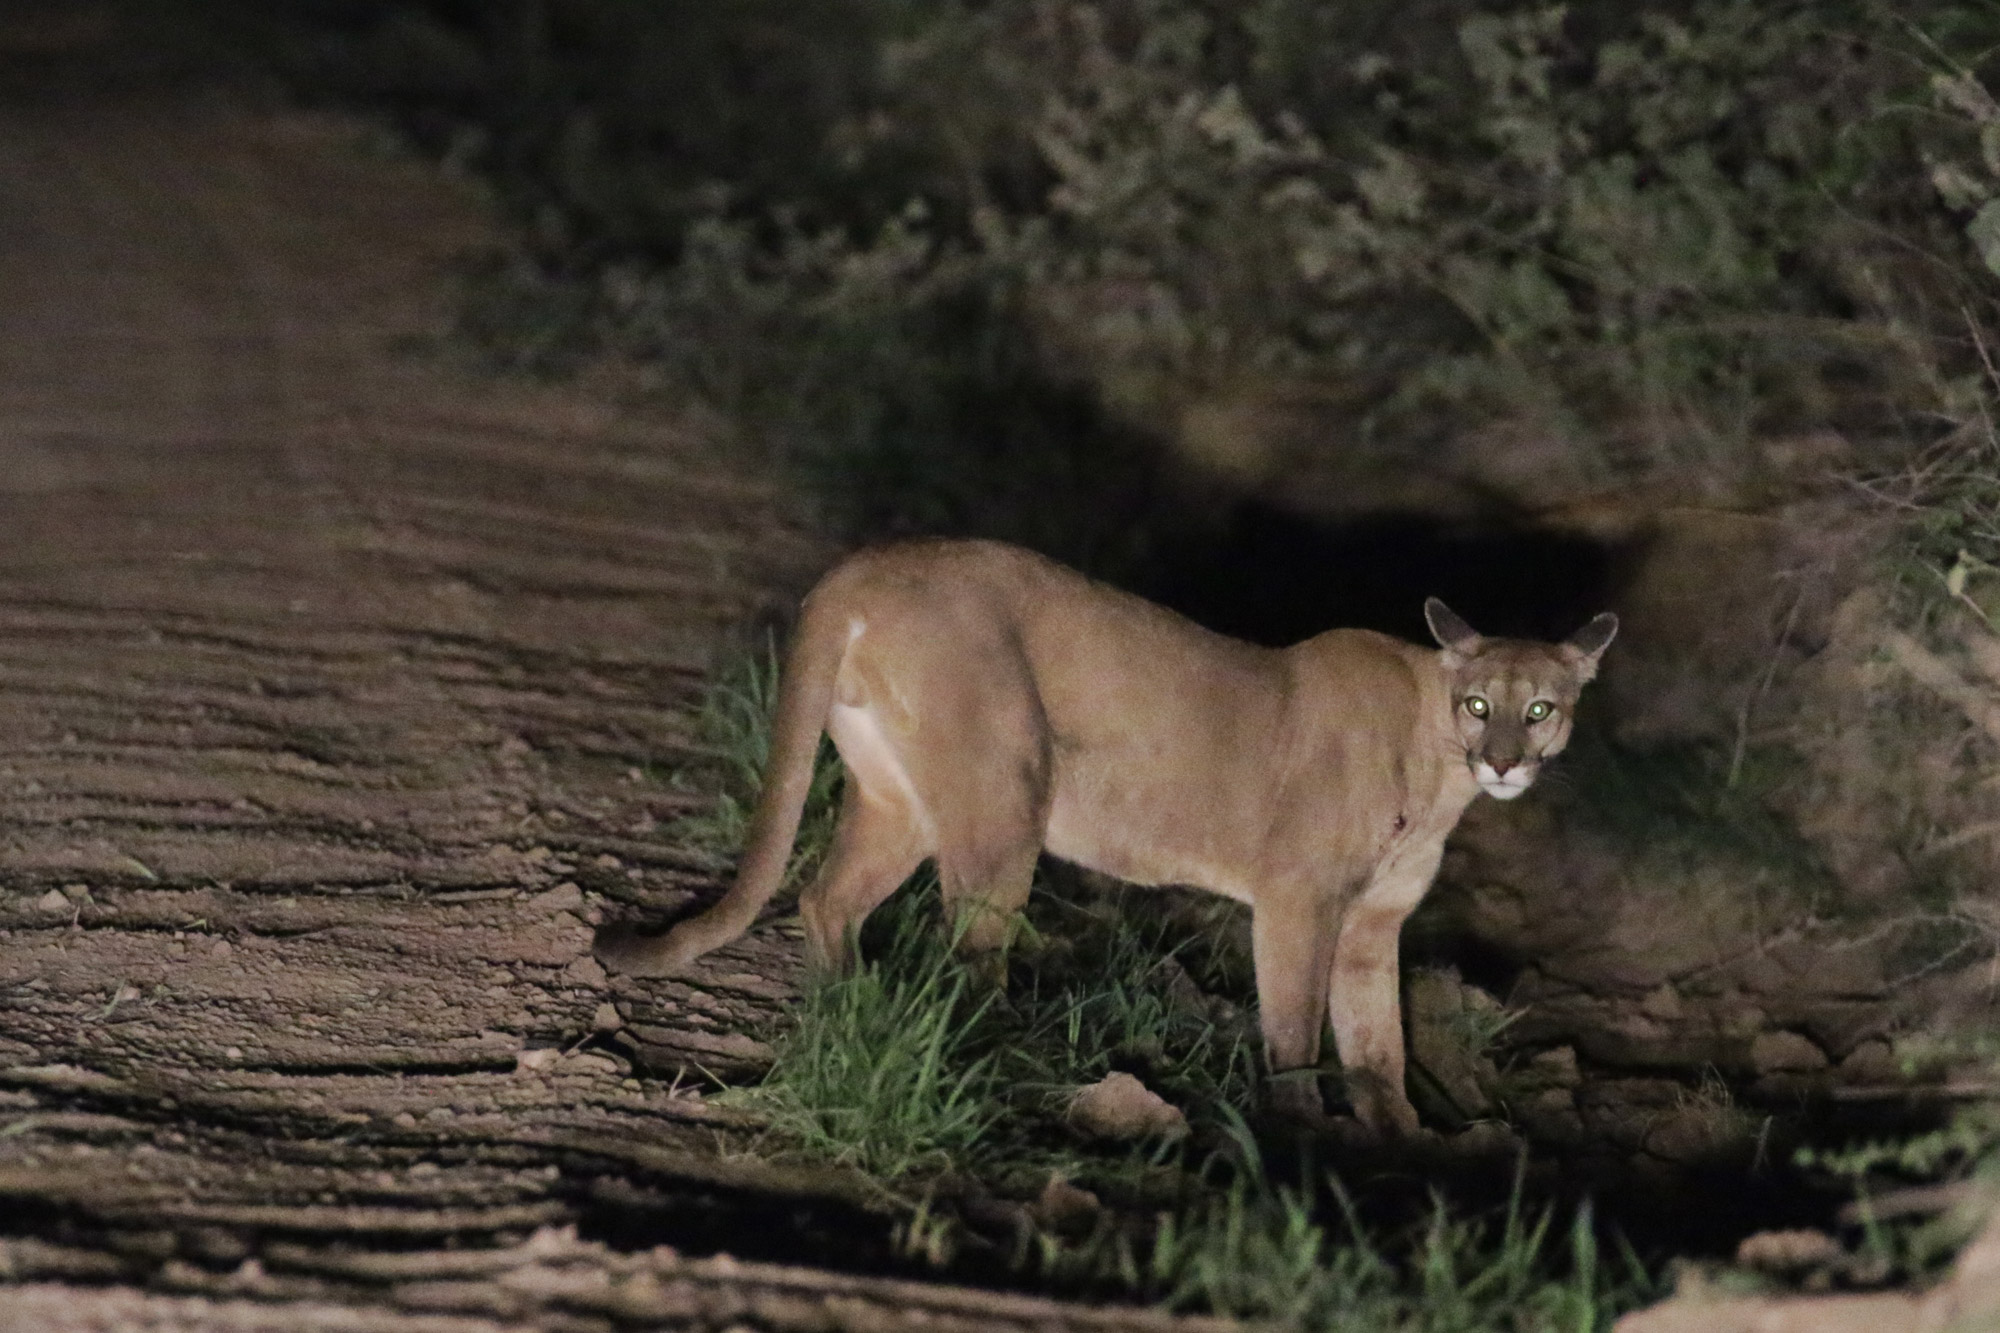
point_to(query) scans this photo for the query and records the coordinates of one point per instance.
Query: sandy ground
(334, 684)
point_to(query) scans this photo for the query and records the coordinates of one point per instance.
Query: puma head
(1513, 699)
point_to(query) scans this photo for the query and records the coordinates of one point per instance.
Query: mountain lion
(990, 704)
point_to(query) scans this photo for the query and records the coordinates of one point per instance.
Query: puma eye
(1475, 705)
(1539, 710)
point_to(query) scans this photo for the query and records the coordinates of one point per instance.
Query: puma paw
(1293, 1094)
(1385, 1111)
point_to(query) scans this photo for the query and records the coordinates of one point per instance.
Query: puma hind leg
(986, 856)
(876, 845)
(985, 778)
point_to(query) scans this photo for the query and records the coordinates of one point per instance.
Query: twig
(1955, 1092)
(1750, 700)
(1915, 1201)
(1930, 670)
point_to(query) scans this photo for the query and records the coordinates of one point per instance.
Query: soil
(335, 679)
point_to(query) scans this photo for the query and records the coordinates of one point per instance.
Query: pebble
(1785, 1052)
(1786, 1252)
(564, 897)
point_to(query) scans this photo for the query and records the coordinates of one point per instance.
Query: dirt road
(333, 687)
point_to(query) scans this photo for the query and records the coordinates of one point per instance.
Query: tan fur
(990, 704)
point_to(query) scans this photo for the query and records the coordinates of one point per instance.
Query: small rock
(606, 861)
(1785, 1053)
(77, 893)
(1696, 1132)
(221, 949)
(1119, 1106)
(1065, 1209)
(1488, 1139)
(539, 1058)
(607, 1018)
(594, 1062)
(1873, 1061)
(1788, 1252)
(564, 897)
(1556, 1068)
(1442, 1012)
(403, 1120)
(586, 972)
(232, 1052)
(1662, 1002)
(1184, 995)
(52, 901)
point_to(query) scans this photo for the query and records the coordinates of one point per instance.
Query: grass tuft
(1261, 1252)
(881, 1072)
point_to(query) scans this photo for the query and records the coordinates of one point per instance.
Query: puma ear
(1590, 642)
(1452, 633)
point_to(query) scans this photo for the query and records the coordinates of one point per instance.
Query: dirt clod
(1785, 1052)
(1120, 1107)
(1065, 1209)
(1788, 1252)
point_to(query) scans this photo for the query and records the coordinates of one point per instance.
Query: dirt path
(328, 682)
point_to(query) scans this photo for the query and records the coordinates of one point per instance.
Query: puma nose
(1500, 766)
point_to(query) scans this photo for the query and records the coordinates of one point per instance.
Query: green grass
(1961, 1158)
(882, 1071)
(1107, 990)
(1262, 1256)
(1304, 1258)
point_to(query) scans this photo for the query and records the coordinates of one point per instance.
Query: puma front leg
(1365, 1000)
(1293, 951)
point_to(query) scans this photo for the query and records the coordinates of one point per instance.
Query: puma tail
(805, 699)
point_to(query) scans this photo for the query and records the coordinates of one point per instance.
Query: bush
(958, 249)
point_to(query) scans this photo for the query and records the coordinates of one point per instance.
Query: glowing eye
(1475, 705)
(1539, 710)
